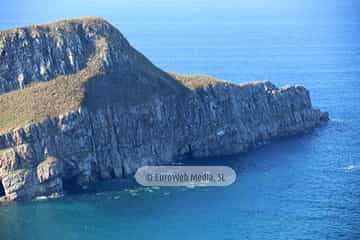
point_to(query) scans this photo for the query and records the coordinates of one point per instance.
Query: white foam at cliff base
(41, 198)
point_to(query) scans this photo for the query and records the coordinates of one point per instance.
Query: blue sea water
(304, 187)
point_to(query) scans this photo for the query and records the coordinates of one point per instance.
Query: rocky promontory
(78, 104)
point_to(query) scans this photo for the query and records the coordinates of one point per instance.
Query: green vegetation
(63, 24)
(134, 81)
(195, 81)
(43, 99)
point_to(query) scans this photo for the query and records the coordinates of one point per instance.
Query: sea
(302, 187)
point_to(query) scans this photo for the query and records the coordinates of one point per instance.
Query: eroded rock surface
(110, 137)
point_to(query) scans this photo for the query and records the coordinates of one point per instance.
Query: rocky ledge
(78, 104)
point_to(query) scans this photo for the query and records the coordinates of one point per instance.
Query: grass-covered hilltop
(78, 104)
(55, 68)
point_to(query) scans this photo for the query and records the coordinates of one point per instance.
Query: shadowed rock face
(79, 104)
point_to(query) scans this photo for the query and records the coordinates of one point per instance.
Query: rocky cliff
(78, 104)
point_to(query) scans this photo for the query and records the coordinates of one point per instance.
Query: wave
(53, 196)
(352, 167)
(338, 120)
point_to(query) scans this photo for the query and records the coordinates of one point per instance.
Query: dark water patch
(71, 185)
(2, 190)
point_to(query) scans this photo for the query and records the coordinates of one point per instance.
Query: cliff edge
(78, 104)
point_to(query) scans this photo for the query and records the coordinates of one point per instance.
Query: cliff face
(79, 104)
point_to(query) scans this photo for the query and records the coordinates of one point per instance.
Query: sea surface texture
(305, 187)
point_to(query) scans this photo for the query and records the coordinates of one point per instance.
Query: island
(78, 104)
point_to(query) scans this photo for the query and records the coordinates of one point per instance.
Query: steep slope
(78, 104)
(72, 63)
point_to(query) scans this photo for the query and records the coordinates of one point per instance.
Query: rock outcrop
(79, 104)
